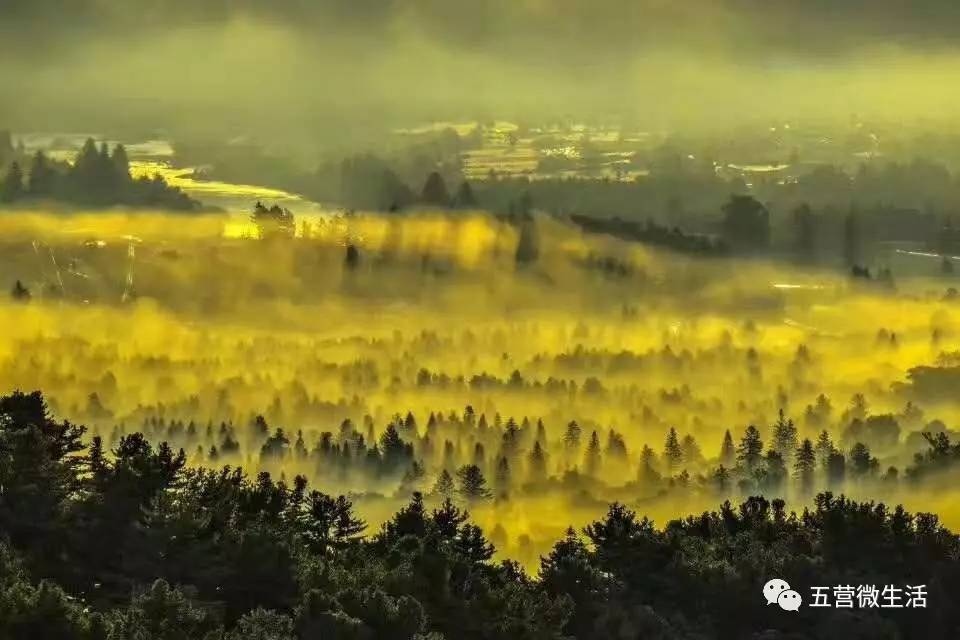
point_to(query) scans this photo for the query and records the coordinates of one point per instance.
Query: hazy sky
(303, 63)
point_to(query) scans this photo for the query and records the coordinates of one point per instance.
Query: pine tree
(465, 198)
(648, 465)
(435, 191)
(836, 469)
(537, 463)
(347, 528)
(19, 292)
(43, 178)
(502, 477)
(824, 448)
(410, 426)
(275, 447)
(299, 447)
(571, 437)
(690, 450)
(750, 451)
(472, 484)
(479, 455)
(541, 433)
(11, 189)
(511, 436)
(728, 454)
(591, 460)
(121, 163)
(616, 446)
(444, 485)
(804, 465)
(392, 445)
(528, 245)
(862, 464)
(784, 437)
(774, 472)
(351, 259)
(672, 453)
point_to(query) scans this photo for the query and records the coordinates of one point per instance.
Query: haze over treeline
(292, 66)
(435, 319)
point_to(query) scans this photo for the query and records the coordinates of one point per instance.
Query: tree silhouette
(274, 222)
(537, 462)
(805, 464)
(672, 453)
(435, 192)
(465, 198)
(728, 454)
(784, 436)
(528, 245)
(43, 179)
(444, 485)
(351, 259)
(571, 437)
(19, 292)
(471, 484)
(11, 189)
(746, 223)
(750, 449)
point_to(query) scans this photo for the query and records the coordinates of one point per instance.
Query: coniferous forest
(499, 320)
(133, 543)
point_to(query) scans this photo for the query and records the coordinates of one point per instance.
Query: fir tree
(591, 461)
(784, 436)
(672, 453)
(750, 451)
(728, 454)
(11, 189)
(537, 462)
(435, 191)
(443, 487)
(471, 483)
(19, 292)
(804, 465)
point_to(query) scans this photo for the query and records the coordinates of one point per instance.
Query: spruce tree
(672, 453)
(11, 189)
(750, 451)
(471, 483)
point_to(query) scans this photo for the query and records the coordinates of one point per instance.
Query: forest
(97, 177)
(213, 553)
(280, 465)
(500, 320)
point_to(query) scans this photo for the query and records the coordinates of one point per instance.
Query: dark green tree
(728, 453)
(43, 179)
(435, 192)
(465, 198)
(672, 453)
(746, 223)
(11, 189)
(19, 292)
(805, 465)
(471, 484)
(750, 450)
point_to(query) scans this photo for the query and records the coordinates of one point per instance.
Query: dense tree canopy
(132, 543)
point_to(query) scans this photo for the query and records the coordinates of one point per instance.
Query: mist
(187, 329)
(347, 69)
(503, 320)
